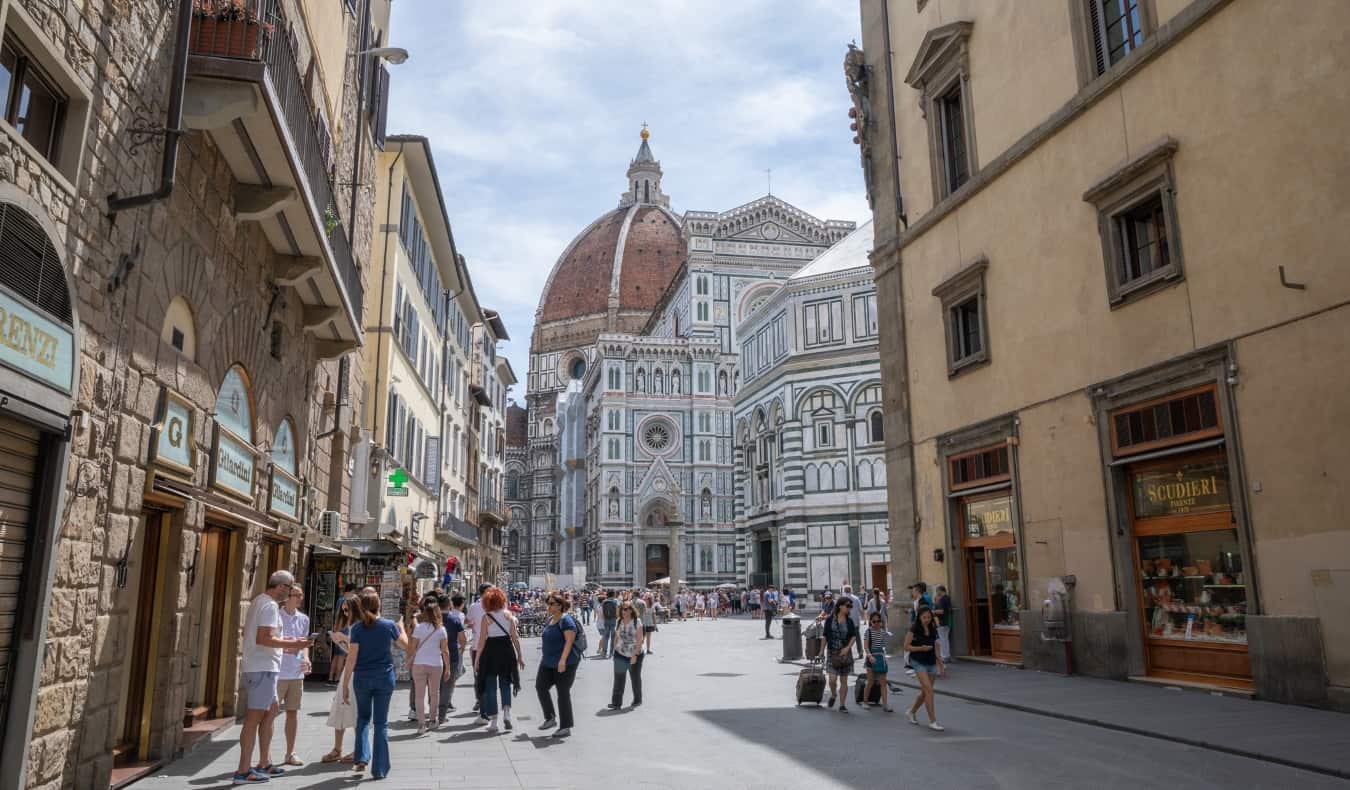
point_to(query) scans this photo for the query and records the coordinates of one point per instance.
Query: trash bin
(792, 637)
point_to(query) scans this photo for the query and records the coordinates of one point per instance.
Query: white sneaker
(412, 715)
(935, 726)
(492, 726)
(912, 718)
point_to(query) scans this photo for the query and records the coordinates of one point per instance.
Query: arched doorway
(657, 561)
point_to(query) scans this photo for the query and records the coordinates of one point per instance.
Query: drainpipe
(890, 106)
(173, 124)
(360, 109)
(384, 275)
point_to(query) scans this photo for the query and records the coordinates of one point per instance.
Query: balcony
(490, 507)
(455, 527)
(245, 90)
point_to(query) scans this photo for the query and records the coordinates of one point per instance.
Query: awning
(373, 547)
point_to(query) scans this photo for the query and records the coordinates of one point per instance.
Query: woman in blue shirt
(558, 666)
(370, 674)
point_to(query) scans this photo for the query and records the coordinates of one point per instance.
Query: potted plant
(226, 28)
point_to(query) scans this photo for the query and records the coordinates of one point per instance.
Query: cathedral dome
(625, 259)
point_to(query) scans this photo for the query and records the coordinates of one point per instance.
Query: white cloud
(533, 110)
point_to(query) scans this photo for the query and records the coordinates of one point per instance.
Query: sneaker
(548, 724)
(912, 718)
(843, 709)
(637, 702)
(475, 706)
(909, 672)
(492, 726)
(830, 704)
(935, 726)
(507, 724)
(251, 776)
(563, 733)
(421, 730)
(412, 715)
(613, 706)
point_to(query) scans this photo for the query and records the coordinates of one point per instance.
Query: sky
(533, 110)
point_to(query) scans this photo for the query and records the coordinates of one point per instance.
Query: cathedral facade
(634, 372)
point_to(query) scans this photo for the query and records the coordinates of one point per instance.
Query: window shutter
(1098, 35)
(432, 475)
(381, 106)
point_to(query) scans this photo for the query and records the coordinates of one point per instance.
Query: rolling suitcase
(858, 687)
(811, 683)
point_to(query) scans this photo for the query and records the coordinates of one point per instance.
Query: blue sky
(534, 108)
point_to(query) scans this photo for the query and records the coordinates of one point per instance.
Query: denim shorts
(260, 689)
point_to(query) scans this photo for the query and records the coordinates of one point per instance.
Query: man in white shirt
(294, 667)
(471, 627)
(259, 666)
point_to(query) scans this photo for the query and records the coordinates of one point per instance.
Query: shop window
(1177, 419)
(978, 468)
(1137, 221)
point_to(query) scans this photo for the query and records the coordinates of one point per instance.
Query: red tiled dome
(652, 248)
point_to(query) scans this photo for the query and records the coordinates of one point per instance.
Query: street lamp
(391, 55)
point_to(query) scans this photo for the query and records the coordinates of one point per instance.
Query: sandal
(332, 756)
(348, 757)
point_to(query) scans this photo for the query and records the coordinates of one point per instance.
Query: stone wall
(189, 246)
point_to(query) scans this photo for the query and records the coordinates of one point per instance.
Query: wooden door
(137, 713)
(881, 575)
(213, 645)
(658, 562)
(977, 601)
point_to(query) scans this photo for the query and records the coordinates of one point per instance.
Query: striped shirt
(876, 641)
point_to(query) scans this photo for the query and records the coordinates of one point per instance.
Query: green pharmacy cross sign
(398, 477)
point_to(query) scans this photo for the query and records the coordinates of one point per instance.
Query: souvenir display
(1181, 599)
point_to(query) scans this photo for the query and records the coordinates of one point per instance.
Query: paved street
(718, 713)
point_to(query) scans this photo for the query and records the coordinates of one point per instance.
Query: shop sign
(1191, 488)
(171, 438)
(284, 501)
(36, 345)
(233, 465)
(988, 517)
(350, 551)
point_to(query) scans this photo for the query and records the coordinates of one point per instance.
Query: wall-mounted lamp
(391, 55)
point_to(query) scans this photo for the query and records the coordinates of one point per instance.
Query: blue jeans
(373, 690)
(488, 709)
(606, 629)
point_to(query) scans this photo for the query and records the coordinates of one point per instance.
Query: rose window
(656, 437)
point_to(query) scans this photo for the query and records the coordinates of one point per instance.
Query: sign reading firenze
(36, 345)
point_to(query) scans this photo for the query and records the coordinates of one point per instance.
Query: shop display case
(1193, 587)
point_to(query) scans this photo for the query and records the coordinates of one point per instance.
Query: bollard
(792, 637)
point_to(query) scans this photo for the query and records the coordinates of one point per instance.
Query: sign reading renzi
(1199, 487)
(35, 345)
(171, 440)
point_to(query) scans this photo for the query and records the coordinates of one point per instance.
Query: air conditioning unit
(330, 524)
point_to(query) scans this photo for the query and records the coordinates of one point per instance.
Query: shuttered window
(18, 468)
(1117, 30)
(29, 264)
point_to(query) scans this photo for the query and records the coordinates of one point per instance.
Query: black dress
(499, 656)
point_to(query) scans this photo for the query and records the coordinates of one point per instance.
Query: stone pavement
(1308, 738)
(718, 713)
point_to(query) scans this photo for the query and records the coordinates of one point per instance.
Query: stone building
(809, 431)
(1105, 374)
(176, 390)
(633, 371)
(517, 559)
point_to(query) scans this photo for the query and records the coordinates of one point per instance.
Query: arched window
(876, 431)
(658, 382)
(675, 382)
(283, 447)
(646, 191)
(234, 404)
(179, 330)
(578, 368)
(512, 485)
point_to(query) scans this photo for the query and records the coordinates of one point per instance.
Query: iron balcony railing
(258, 30)
(448, 522)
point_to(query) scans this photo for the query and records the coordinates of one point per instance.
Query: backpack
(578, 644)
(610, 608)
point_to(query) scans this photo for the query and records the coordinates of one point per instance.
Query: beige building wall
(1257, 188)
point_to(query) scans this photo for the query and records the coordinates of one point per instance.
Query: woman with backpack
(921, 643)
(558, 666)
(841, 633)
(627, 655)
(498, 654)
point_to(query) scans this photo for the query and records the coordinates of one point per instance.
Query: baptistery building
(633, 375)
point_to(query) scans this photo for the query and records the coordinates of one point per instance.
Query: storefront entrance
(150, 571)
(208, 694)
(658, 561)
(993, 577)
(19, 472)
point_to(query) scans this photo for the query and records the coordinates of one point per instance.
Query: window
(1108, 31)
(823, 322)
(613, 420)
(612, 559)
(865, 316)
(726, 558)
(32, 103)
(952, 123)
(964, 311)
(1175, 419)
(824, 434)
(875, 432)
(979, 467)
(578, 369)
(1138, 223)
(701, 286)
(615, 378)
(702, 311)
(705, 558)
(941, 73)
